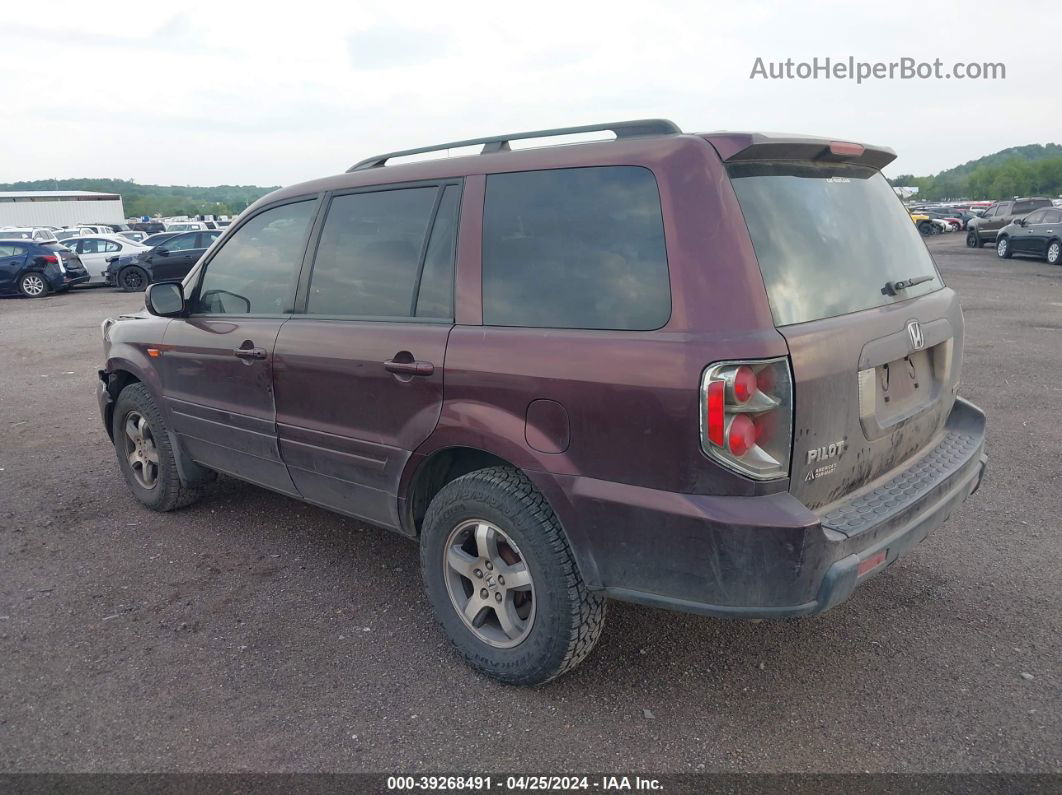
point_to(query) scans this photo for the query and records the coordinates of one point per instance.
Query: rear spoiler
(735, 147)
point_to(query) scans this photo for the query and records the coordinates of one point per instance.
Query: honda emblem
(914, 331)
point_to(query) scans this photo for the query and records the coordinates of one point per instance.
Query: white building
(59, 208)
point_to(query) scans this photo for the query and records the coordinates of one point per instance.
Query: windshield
(828, 238)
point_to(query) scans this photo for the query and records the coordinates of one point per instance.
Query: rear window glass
(575, 248)
(828, 238)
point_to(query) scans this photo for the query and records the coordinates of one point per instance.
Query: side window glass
(7, 250)
(575, 248)
(370, 251)
(1035, 218)
(184, 242)
(435, 298)
(255, 271)
(109, 246)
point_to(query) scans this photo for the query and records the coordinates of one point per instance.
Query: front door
(1029, 237)
(172, 260)
(359, 368)
(218, 362)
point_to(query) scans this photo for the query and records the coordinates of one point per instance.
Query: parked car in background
(135, 235)
(925, 224)
(76, 231)
(95, 250)
(34, 269)
(39, 234)
(1038, 234)
(157, 239)
(593, 416)
(171, 260)
(984, 229)
(185, 226)
(151, 227)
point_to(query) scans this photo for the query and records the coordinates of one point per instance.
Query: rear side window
(11, 250)
(575, 248)
(373, 261)
(828, 238)
(255, 271)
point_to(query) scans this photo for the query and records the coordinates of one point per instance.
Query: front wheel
(133, 279)
(1003, 248)
(144, 453)
(1054, 253)
(973, 240)
(926, 229)
(502, 579)
(32, 285)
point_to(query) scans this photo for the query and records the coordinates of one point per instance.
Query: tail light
(747, 416)
(50, 259)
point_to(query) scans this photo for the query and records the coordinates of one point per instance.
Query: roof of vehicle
(638, 140)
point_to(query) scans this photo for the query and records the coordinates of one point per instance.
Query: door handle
(249, 353)
(409, 368)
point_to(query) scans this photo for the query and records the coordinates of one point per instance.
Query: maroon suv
(715, 373)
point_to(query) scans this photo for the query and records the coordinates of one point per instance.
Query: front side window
(255, 271)
(369, 257)
(579, 248)
(11, 250)
(1035, 218)
(184, 242)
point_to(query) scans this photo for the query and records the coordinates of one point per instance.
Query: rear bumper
(769, 556)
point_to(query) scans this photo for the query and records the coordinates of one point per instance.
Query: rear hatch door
(874, 335)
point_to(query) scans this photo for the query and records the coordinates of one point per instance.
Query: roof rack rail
(500, 143)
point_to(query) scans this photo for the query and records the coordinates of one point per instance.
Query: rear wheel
(144, 453)
(973, 240)
(502, 579)
(1054, 252)
(132, 279)
(32, 285)
(1003, 248)
(926, 228)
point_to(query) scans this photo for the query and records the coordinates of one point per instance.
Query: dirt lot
(251, 632)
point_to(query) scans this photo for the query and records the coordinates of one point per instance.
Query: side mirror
(164, 299)
(162, 252)
(1020, 221)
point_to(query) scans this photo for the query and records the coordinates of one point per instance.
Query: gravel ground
(253, 633)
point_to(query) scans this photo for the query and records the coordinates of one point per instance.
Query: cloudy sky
(222, 92)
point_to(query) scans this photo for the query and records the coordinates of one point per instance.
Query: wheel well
(438, 470)
(116, 382)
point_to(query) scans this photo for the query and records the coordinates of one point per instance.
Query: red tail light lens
(716, 412)
(50, 259)
(747, 416)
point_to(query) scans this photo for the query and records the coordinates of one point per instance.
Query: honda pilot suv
(715, 373)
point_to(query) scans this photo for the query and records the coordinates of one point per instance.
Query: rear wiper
(893, 288)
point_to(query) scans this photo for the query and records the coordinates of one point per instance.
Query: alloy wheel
(489, 583)
(141, 451)
(1054, 253)
(33, 285)
(1001, 247)
(132, 280)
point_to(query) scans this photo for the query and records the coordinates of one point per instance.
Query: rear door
(94, 253)
(12, 257)
(999, 217)
(875, 364)
(217, 363)
(359, 369)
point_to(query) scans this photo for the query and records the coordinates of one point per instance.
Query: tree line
(1033, 170)
(164, 200)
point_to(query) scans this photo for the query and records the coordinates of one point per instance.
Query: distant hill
(158, 199)
(1030, 170)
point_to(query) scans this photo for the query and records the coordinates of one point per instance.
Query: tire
(973, 240)
(1054, 252)
(558, 621)
(1003, 248)
(926, 229)
(156, 485)
(132, 279)
(33, 285)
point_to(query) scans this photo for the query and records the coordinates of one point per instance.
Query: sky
(222, 92)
